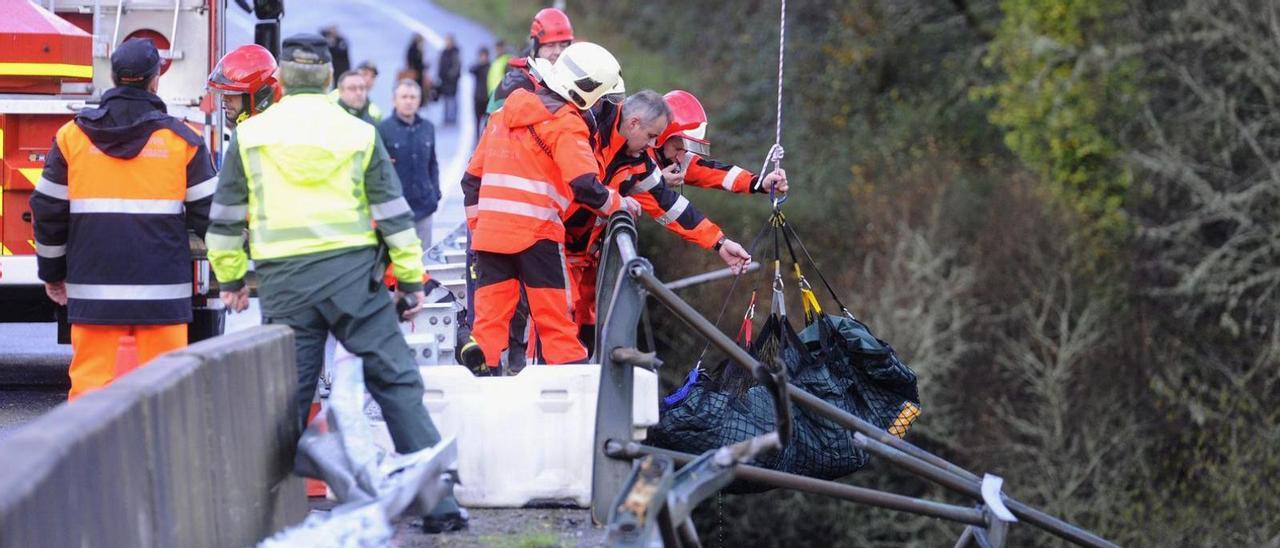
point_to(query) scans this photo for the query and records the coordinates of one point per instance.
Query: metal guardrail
(625, 281)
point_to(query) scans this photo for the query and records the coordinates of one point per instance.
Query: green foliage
(961, 171)
(510, 20)
(528, 539)
(1062, 101)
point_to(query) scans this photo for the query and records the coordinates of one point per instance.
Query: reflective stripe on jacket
(708, 173)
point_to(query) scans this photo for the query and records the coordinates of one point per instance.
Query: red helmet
(549, 26)
(249, 70)
(688, 120)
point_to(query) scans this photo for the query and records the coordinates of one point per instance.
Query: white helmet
(583, 74)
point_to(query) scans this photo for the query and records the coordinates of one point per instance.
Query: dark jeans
(364, 320)
(450, 108)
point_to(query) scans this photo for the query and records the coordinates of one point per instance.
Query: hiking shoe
(445, 523)
(472, 357)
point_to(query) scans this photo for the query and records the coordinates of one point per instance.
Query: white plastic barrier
(528, 438)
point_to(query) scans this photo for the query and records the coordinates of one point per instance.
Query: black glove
(406, 302)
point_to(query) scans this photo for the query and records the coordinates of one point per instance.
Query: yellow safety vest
(305, 160)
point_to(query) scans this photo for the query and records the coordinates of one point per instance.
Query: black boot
(445, 523)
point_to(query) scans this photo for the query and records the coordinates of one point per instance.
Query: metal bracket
(994, 498)
(634, 357)
(712, 276)
(656, 503)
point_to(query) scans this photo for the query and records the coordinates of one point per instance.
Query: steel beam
(711, 276)
(774, 478)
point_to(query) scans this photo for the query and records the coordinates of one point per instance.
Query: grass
(641, 68)
(530, 539)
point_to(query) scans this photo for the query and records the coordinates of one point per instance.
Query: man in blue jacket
(411, 142)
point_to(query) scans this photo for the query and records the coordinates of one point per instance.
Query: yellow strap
(46, 69)
(811, 307)
(807, 297)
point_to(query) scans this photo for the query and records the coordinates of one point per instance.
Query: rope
(782, 40)
(776, 152)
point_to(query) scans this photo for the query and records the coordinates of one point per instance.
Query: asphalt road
(19, 406)
(33, 372)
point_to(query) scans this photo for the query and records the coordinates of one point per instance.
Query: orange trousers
(582, 272)
(94, 349)
(542, 271)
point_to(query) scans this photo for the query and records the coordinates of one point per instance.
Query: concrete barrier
(194, 449)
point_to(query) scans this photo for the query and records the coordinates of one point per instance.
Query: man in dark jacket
(338, 49)
(480, 92)
(410, 142)
(415, 60)
(121, 188)
(450, 70)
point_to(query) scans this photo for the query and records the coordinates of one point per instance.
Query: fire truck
(55, 59)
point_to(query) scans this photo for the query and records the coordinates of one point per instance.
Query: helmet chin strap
(663, 161)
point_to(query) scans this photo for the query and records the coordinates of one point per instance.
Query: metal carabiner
(776, 153)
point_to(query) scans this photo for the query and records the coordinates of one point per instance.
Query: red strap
(745, 331)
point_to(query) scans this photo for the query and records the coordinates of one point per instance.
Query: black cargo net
(835, 357)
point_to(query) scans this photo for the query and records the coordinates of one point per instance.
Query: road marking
(409, 21)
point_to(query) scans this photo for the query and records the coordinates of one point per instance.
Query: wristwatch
(719, 242)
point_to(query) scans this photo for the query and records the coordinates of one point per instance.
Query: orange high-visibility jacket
(640, 178)
(533, 161)
(709, 173)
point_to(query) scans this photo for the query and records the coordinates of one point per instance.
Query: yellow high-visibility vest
(305, 160)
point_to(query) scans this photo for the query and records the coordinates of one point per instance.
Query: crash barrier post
(635, 280)
(194, 449)
(619, 302)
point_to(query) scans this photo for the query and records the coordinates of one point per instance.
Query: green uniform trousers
(364, 320)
